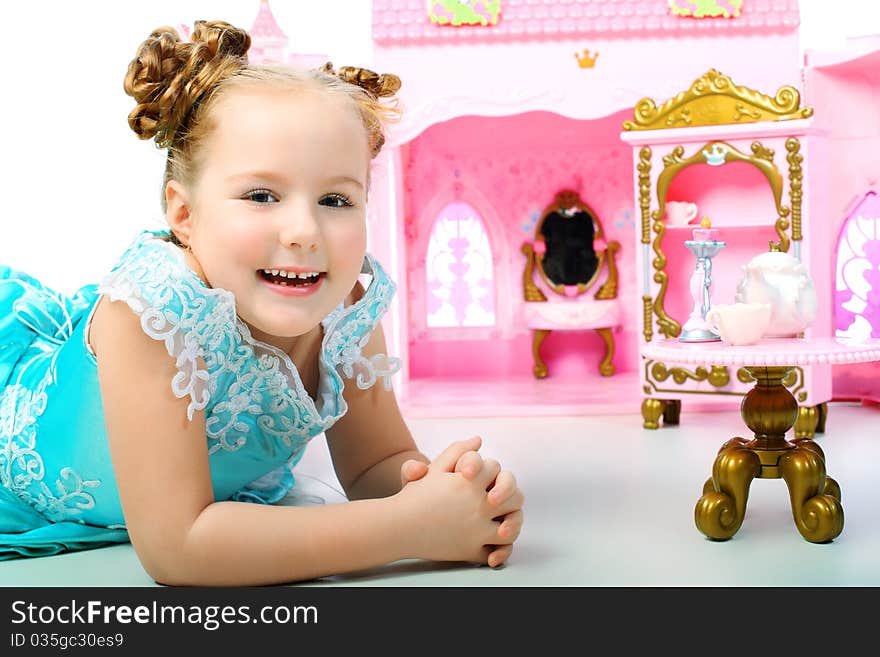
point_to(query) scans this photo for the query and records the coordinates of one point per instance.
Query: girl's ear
(178, 213)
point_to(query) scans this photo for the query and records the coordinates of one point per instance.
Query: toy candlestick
(704, 246)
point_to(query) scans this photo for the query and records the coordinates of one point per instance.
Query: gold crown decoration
(714, 99)
(586, 60)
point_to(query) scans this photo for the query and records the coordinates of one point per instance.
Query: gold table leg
(540, 369)
(807, 422)
(606, 367)
(651, 411)
(770, 410)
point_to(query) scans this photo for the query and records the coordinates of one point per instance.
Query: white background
(77, 185)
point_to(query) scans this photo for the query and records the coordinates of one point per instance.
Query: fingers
(504, 487)
(469, 464)
(509, 529)
(412, 470)
(513, 503)
(499, 555)
(447, 459)
(507, 533)
(487, 475)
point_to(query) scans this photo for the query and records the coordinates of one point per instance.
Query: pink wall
(846, 98)
(845, 92)
(510, 168)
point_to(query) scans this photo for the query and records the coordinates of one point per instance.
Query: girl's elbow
(167, 565)
(166, 570)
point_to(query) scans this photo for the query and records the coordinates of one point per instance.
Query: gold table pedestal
(769, 411)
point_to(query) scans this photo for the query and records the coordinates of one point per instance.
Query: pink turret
(268, 41)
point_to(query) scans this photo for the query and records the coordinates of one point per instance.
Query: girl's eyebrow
(348, 179)
(263, 175)
(268, 175)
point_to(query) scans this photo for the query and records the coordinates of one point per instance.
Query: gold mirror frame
(567, 199)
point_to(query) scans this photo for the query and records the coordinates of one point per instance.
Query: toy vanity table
(769, 410)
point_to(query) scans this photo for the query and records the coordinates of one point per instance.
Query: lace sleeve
(365, 370)
(171, 309)
(350, 329)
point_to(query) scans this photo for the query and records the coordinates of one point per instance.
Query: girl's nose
(300, 229)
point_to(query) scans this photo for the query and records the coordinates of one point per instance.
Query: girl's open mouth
(290, 279)
(290, 283)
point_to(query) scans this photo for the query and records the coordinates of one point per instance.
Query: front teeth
(286, 274)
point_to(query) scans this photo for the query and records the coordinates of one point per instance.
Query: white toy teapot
(782, 281)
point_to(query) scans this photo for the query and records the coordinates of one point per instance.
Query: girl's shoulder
(166, 300)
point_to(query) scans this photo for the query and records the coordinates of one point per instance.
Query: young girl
(167, 405)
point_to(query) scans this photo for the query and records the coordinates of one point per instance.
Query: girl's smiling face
(282, 189)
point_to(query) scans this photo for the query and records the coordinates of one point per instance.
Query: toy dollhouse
(514, 114)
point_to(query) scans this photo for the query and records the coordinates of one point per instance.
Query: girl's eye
(336, 201)
(261, 196)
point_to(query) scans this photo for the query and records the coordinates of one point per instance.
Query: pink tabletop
(770, 351)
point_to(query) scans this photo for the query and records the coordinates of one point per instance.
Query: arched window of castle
(857, 288)
(460, 285)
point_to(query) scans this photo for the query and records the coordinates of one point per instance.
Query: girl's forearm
(236, 543)
(383, 479)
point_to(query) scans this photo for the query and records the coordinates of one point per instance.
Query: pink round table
(769, 410)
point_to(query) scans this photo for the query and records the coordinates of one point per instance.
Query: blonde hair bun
(168, 77)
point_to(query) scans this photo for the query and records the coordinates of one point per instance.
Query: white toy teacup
(680, 213)
(740, 323)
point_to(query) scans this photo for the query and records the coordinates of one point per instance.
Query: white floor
(607, 504)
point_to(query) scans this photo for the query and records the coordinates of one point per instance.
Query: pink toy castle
(500, 117)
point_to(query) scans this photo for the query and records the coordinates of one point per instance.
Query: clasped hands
(483, 504)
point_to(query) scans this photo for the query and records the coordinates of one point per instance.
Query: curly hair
(176, 84)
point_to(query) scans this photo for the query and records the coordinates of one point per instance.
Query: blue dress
(57, 487)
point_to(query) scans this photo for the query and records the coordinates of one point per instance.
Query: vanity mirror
(570, 251)
(568, 229)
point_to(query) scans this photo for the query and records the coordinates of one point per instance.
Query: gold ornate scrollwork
(794, 381)
(530, 290)
(609, 288)
(795, 182)
(717, 375)
(666, 325)
(675, 157)
(762, 152)
(646, 316)
(714, 99)
(741, 110)
(644, 169)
